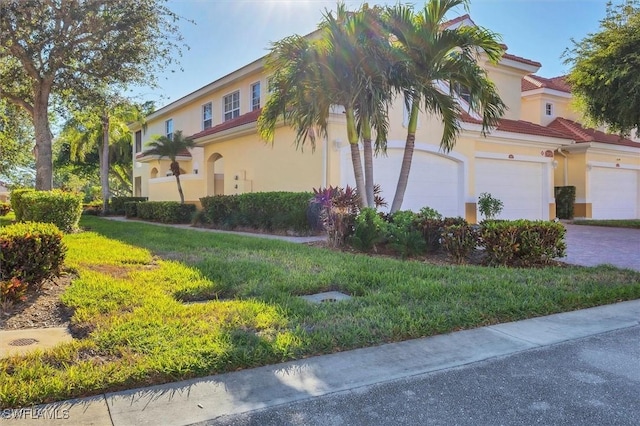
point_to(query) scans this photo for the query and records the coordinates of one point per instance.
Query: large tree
(344, 67)
(16, 146)
(171, 147)
(604, 76)
(64, 47)
(432, 54)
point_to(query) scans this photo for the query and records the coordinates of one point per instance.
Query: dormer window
(548, 109)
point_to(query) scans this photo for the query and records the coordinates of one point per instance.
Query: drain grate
(23, 342)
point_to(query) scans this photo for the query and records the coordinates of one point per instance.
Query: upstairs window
(548, 109)
(139, 141)
(207, 116)
(168, 128)
(255, 96)
(232, 106)
(462, 91)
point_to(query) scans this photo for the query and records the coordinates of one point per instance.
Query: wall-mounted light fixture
(554, 163)
(337, 144)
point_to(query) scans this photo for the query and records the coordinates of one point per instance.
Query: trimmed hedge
(522, 242)
(165, 211)
(60, 208)
(31, 252)
(268, 211)
(5, 208)
(116, 205)
(131, 208)
(16, 201)
(565, 200)
(459, 241)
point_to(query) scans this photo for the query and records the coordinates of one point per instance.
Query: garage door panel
(614, 193)
(433, 180)
(519, 185)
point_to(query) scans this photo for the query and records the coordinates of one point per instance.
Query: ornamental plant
(489, 207)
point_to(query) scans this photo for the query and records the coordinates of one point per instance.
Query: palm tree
(99, 124)
(433, 54)
(171, 147)
(344, 67)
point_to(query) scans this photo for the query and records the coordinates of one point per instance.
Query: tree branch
(17, 101)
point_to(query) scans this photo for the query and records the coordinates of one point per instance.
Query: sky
(228, 34)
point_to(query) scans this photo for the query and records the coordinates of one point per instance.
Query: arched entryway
(215, 174)
(154, 173)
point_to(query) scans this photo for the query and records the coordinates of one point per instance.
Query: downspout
(325, 162)
(566, 167)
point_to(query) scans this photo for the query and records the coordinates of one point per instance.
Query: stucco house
(604, 168)
(537, 145)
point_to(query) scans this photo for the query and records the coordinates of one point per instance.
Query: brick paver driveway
(595, 245)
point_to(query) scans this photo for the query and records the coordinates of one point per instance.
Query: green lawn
(627, 223)
(134, 278)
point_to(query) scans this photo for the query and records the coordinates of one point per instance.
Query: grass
(134, 280)
(623, 223)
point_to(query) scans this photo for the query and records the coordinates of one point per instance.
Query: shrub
(488, 206)
(221, 210)
(268, 211)
(165, 211)
(60, 208)
(12, 290)
(459, 241)
(403, 235)
(565, 200)
(93, 208)
(131, 208)
(522, 242)
(116, 205)
(369, 230)
(31, 252)
(429, 222)
(541, 242)
(338, 210)
(16, 201)
(4, 208)
(431, 225)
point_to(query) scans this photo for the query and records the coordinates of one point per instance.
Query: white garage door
(614, 193)
(519, 185)
(434, 181)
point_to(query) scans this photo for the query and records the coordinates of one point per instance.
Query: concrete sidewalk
(213, 397)
(291, 239)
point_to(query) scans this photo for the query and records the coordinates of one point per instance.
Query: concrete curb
(211, 397)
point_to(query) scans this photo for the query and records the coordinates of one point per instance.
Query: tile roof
(457, 20)
(183, 153)
(580, 134)
(521, 59)
(247, 118)
(506, 55)
(533, 82)
(519, 126)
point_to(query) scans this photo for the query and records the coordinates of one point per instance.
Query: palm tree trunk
(356, 161)
(368, 161)
(104, 163)
(180, 189)
(407, 157)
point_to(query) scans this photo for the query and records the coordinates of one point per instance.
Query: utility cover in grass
(326, 297)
